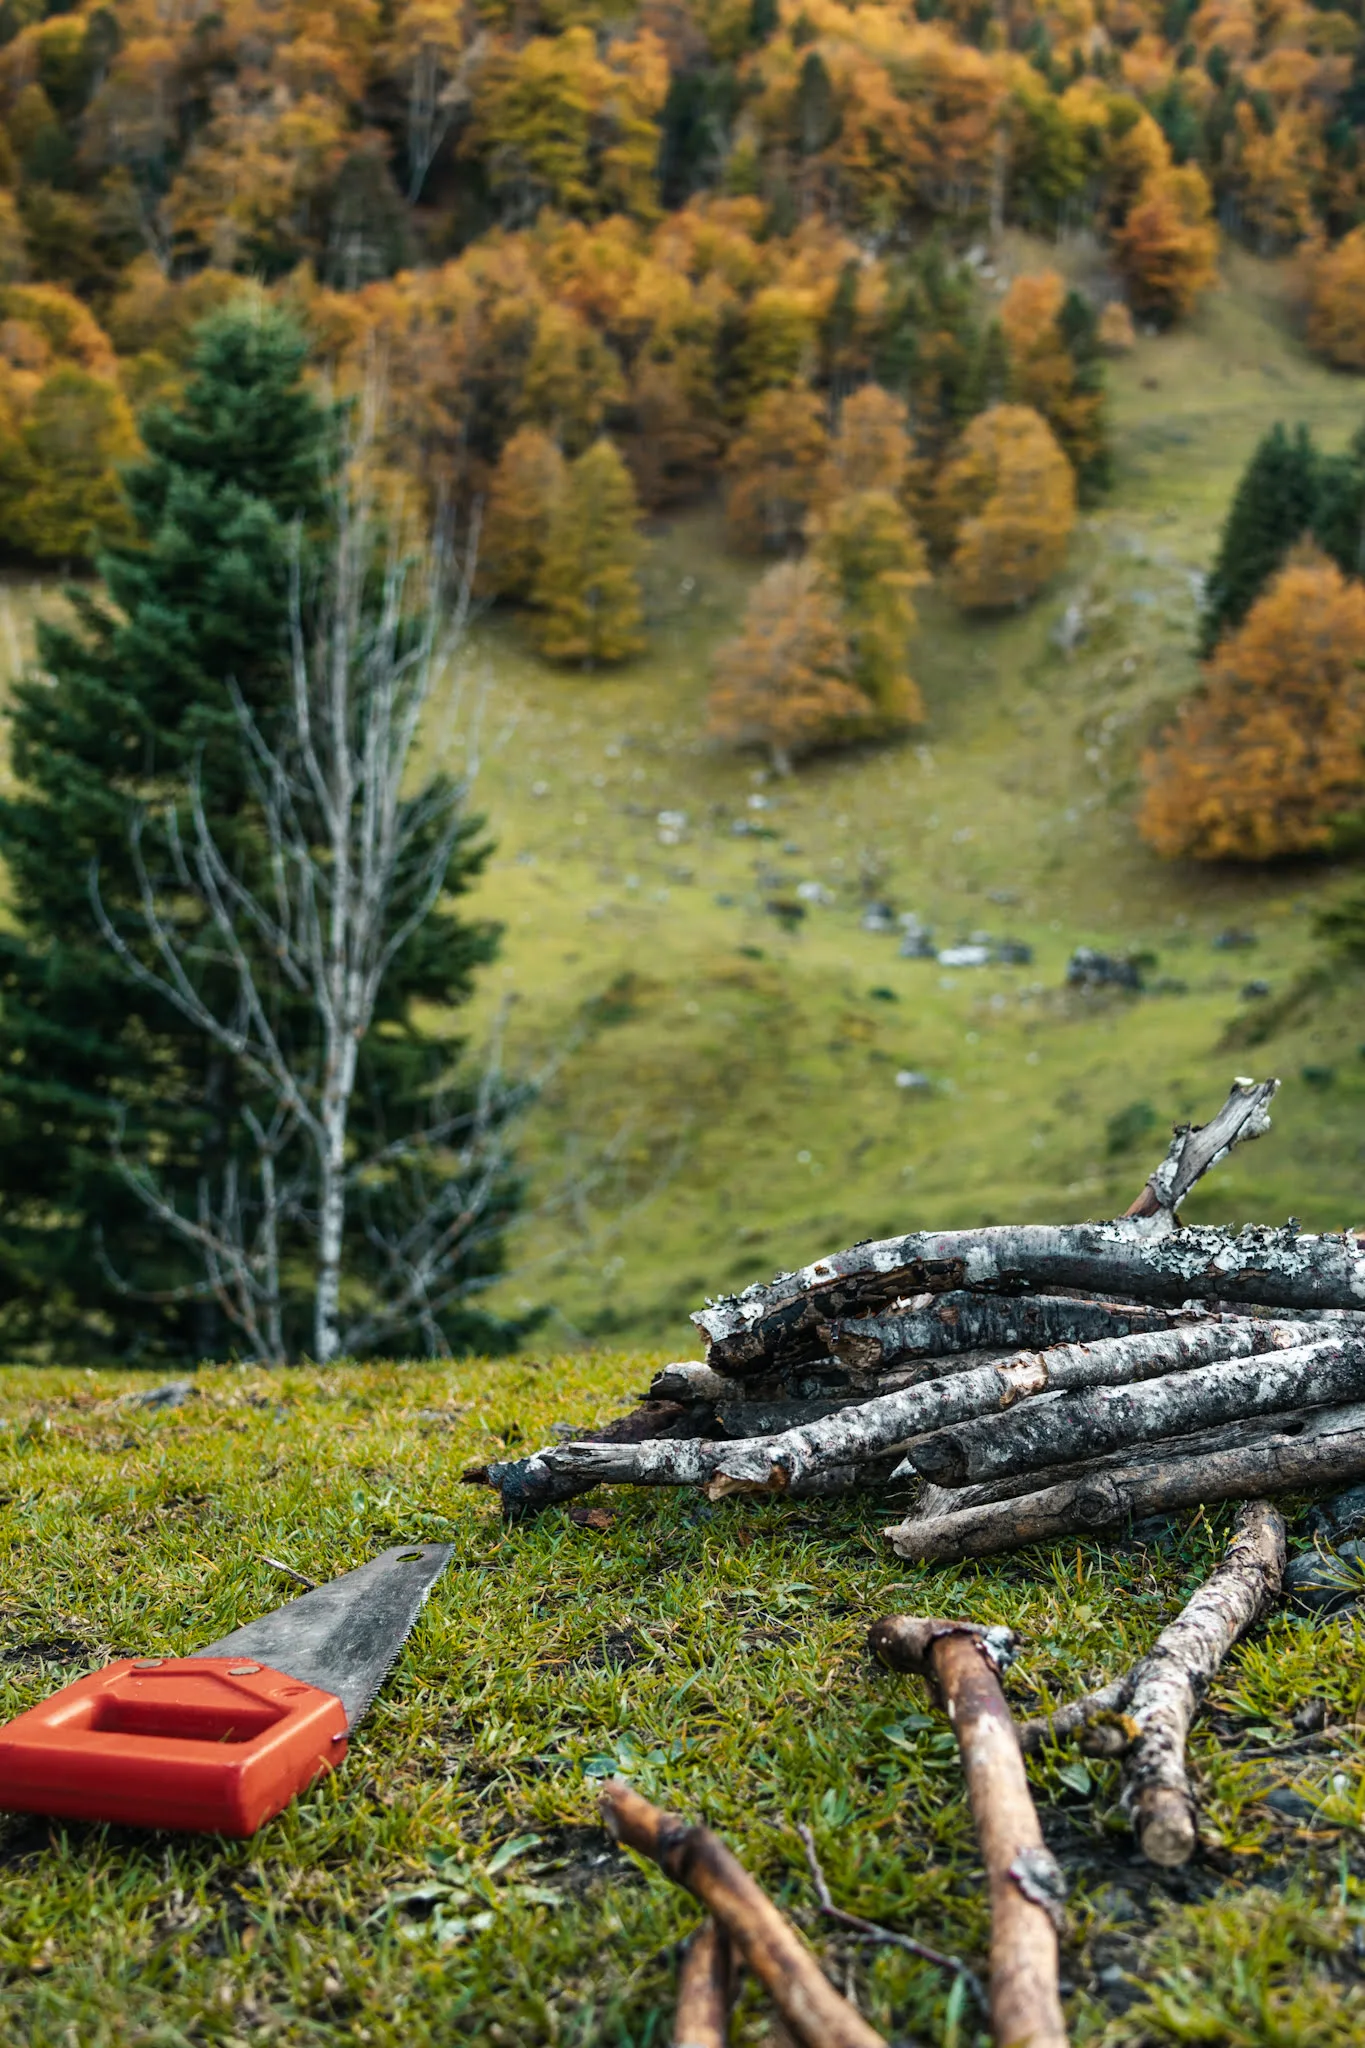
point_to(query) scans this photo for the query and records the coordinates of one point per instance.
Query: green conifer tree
(588, 589)
(131, 700)
(1339, 513)
(1272, 507)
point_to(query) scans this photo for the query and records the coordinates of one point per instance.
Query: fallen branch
(774, 1463)
(1169, 1683)
(1105, 1704)
(1103, 1418)
(1324, 1449)
(528, 1484)
(1197, 1147)
(872, 1931)
(962, 1662)
(699, 1861)
(705, 1990)
(943, 1326)
(774, 1327)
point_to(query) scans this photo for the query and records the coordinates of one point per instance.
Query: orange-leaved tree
(872, 448)
(784, 682)
(1269, 755)
(1053, 344)
(1336, 303)
(1167, 247)
(527, 486)
(775, 467)
(1004, 508)
(871, 559)
(588, 589)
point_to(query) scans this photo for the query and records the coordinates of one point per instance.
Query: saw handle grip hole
(410, 1557)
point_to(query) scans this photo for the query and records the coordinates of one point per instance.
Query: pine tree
(1339, 507)
(588, 590)
(1272, 508)
(526, 487)
(132, 698)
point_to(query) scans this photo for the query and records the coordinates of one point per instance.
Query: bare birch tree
(355, 850)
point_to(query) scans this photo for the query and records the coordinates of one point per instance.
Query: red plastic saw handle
(215, 1745)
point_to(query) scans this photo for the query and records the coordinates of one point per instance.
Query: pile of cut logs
(1029, 1381)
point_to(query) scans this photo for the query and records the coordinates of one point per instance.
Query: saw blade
(344, 1636)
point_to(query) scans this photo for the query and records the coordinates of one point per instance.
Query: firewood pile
(1027, 1381)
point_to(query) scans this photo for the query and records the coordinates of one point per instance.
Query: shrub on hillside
(1336, 303)
(587, 588)
(1268, 757)
(1004, 509)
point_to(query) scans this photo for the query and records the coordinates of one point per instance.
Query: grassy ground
(451, 1881)
(746, 1071)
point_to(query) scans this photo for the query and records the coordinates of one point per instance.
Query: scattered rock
(173, 1394)
(1325, 1581)
(965, 956)
(1233, 940)
(1342, 1515)
(1309, 1716)
(1255, 991)
(878, 917)
(1090, 969)
(815, 892)
(1013, 953)
(915, 1083)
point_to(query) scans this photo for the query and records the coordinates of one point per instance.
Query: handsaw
(221, 1741)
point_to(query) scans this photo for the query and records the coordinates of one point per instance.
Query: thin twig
(277, 1564)
(870, 1930)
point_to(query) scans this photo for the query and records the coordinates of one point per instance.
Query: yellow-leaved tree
(588, 588)
(1004, 509)
(527, 485)
(775, 467)
(1336, 303)
(871, 450)
(1269, 755)
(1167, 246)
(871, 558)
(784, 682)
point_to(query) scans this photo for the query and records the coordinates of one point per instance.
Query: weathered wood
(666, 1462)
(1169, 1683)
(962, 1662)
(1195, 1148)
(774, 1463)
(1325, 1449)
(1077, 1715)
(702, 2017)
(960, 1321)
(933, 1501)
(699, 1861)
(769, 1328)
(1082, 1425)
(529, 1484)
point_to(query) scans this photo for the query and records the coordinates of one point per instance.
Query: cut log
(961, 1321)
(1169, 1683)
(1195, 1148)
(1326, 1448)
(962, 1662)
(1083, 1425)
(771, 1464)
(668, 1463)
(699, 1861)
(702, 2018)
(777, 1326)
(529, 1484)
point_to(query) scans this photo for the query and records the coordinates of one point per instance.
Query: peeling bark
(961, 1321)
(1325, 1449)
(1195, 1148)
(773, 1463)
(1082, 1425)
(766, 1329)
(699, 1861)
(962, 1661)
(528, 1484)
(1169, 1683)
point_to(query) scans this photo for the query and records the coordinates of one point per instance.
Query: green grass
(746, 1072)
(715, 1654)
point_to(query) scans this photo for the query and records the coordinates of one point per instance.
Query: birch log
(768, 1328)
(1026, 1886)
(961, 1321)
(1107, 1418)
(1169, 1683)
(702, 2017)
(1325, 1449)
(779, 1462)
(1195, 1148)
(699, 1861)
